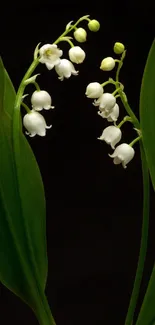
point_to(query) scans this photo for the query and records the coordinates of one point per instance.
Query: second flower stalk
(109, 109)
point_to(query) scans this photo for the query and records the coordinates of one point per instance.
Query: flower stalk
(35, 62)
(146, 196)
(144, 237)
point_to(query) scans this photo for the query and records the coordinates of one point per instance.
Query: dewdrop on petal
(107, 64)
(76, 54)
(94, 25)
(111, 135)
(118, 48)
(41, 99)
(123, 154)
(65, 69)
(35, 123)
(80, 35)
(94, 90)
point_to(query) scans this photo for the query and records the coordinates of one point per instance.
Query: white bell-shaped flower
(76, 54)
(94, 90)
(35, 123)
(41, 99)
(111, 135)
(65, 69)
(50, 55)
(123, 154)
(112, 116)
(105, 102)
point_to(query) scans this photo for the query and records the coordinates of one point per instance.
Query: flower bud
(118, 48)
(111, 135)
(94, 25)
(76, 54)
(80, 35)
(94, 90)
(107, 64)
(123, 154)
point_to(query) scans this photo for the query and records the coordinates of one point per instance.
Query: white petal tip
(37, 109)
(48, 127)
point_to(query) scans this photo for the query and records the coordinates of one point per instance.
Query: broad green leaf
(147, 120)
(23, 256)
(147, 111)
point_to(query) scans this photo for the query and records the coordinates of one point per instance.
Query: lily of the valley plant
(23, 257)
(23, 252)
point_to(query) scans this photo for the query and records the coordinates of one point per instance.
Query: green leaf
(147, 112)
(23, 255)
(147, 120)
(147, 313)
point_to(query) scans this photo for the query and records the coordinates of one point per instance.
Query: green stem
(117, 90)
(70, 29)
(108, 82)
(26, 107)
(116, 60)
(123, 99)
(22, 85)
(125, 119)
(134, 141)
(65, 39)
(88, 19)
(42, 311)
(117, 96)
(36, 85)
(43, 314)
(143, 244)
(145, 222)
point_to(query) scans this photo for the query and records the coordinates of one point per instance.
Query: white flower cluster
(109, 109)
(51, 56)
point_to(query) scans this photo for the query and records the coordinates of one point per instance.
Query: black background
(94, 209)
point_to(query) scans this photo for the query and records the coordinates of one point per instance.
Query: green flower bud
(80, 35)
(94, 25)
(119, 48)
